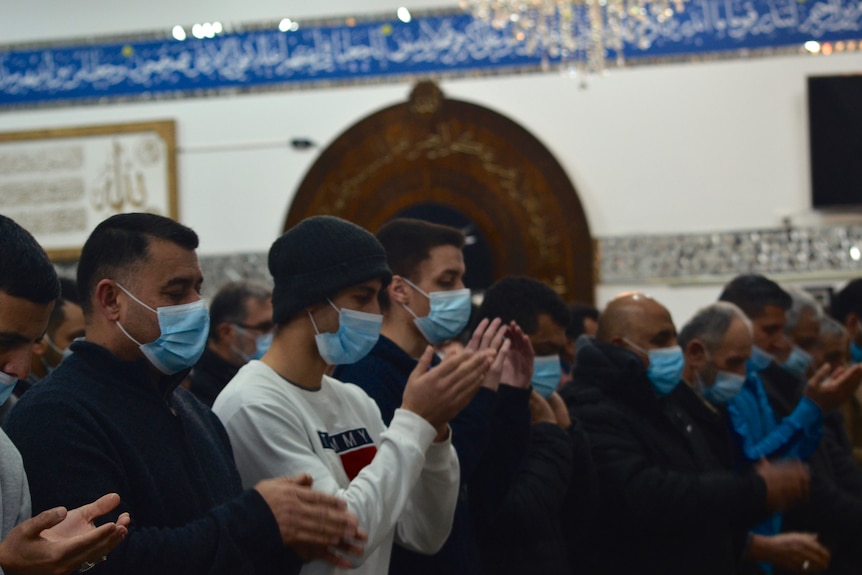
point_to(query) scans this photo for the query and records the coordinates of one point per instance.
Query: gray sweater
(14, 493)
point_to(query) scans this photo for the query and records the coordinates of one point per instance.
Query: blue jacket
(760, 435)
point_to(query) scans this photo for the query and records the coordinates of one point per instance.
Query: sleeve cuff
(807, 414)
(414, 428)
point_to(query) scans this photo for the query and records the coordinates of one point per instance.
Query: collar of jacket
(137, 374)
(615, 371)
(388, 351)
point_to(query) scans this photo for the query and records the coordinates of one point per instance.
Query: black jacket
(98, 425)
(209, 376)
(668, 503)
(834, 509)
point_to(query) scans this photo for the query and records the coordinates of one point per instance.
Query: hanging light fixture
(579, 34)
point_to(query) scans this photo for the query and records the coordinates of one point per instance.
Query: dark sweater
(667, 507)
(834, 508)
(209, 376)
(383, 374)
(516, 477)
(98, 425)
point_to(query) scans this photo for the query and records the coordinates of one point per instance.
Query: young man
(426, 304)
(240, 330)
(56, 541)
(112, 418)
(536, 471)
(285, 415)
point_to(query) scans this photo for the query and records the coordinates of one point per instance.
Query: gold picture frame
(60, 183)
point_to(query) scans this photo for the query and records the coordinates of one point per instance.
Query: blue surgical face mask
(665, 367)
(357, 333)
(184, 331)
(724, 388)
(547, 371)
(64, 353)
(758, 361)
(798, 362)
(7, 384)
(449, 314)
(262, 344)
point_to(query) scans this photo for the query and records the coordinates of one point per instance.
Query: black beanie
(317, 258)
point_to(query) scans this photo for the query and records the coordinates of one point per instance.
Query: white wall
(655, 149)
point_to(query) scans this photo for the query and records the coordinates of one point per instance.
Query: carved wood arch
(432, 149)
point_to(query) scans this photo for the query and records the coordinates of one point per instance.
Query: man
(803, 331)
(536, 471)
(665, 508)
(425, 304)
(56, 541)
(111, 418)
(716, 344)
(240, 330)
(285, 415)
(846, 308)
(64, 326)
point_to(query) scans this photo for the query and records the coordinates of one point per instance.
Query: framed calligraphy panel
(59, 184)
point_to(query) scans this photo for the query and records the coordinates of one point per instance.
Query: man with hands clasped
(285, 415)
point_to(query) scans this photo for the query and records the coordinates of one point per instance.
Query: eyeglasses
(265, 327)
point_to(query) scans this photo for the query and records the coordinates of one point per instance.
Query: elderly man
(716, 344)
(240, 330)
(666, 507)
(56, 541)
(111, 418)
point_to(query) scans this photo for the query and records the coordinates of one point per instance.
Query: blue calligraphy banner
(385, 50)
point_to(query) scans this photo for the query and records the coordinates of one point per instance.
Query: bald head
(635, 318)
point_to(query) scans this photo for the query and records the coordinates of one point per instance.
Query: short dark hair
(122, 242)
(408, 242)
(68, 293)
(522, 299)
(229, 304)
(25, 270)
(847, 301)
(752, 293)
(578, 312)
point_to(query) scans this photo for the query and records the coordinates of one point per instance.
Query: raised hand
(491, 335)
(561, 412)
(830, 392)
(61, 541)
(518, 366)
(438, 394)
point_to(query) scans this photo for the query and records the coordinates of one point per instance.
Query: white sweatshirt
(397, 482)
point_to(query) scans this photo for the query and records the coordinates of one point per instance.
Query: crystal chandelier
(579, 34)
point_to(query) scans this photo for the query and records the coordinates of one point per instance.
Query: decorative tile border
(834, 251)
(795, 253)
